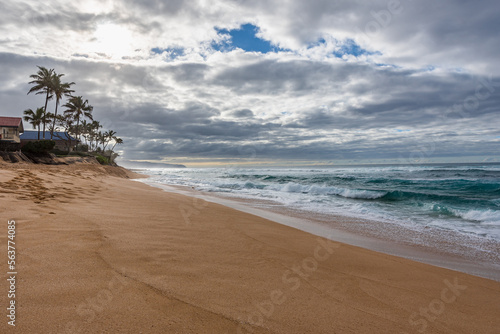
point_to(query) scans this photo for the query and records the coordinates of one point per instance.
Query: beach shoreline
(349, 230)
(99, 252)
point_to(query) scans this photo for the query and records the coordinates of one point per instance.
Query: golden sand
(97, 253)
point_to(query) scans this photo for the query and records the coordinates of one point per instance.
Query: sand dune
(98, 253)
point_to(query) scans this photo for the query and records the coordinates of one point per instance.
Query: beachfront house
(11, 129)
(64, 141)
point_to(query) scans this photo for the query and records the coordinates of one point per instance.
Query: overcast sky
(262, 81)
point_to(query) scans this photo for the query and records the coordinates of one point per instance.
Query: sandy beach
(99, 253)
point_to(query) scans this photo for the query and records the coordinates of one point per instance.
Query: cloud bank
(331, 82)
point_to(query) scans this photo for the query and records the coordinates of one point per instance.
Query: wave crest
(324, 190)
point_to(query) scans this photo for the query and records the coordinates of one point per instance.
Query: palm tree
(42, 82)
(78, 108)
(107, 137)
(117, 141)
(94, 129)
(85, 131)
(34, 118)
(100, 138)
(47, 118)
(60, 90)
(66, 123)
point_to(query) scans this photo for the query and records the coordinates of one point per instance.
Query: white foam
(489, 217)
(309, 195)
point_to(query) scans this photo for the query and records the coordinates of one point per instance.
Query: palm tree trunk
(38, 131)
(69, 142)
(54, 121)
(111, 152)
(77, 130)
(45, 112)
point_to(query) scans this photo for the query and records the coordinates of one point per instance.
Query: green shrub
(82, 148)
(102, 160)
(9, 147)
(73, 153)
(59, 152)
(81, 154)
(41, 146)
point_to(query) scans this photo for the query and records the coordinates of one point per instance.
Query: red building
(11, 129)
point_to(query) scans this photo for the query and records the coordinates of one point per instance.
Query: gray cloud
(433, 90)
(242, 113)
(198, 128)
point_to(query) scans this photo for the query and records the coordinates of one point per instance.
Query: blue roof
(33, 135)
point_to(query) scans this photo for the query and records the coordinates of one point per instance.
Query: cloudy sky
(269, 82)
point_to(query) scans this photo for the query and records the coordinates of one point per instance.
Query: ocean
(464, 199)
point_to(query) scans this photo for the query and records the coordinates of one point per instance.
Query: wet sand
(446, 249)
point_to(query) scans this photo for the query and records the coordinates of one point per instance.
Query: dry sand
(97, 253)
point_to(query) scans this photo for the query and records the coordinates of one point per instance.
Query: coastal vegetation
(40, 146)
(76, 124)
(35, 118)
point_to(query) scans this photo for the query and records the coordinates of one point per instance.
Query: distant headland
(145, 164)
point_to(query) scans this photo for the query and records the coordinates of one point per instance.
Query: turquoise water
(462, 198)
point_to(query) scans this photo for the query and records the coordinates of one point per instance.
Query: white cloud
(303, 102)
(407, 33)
